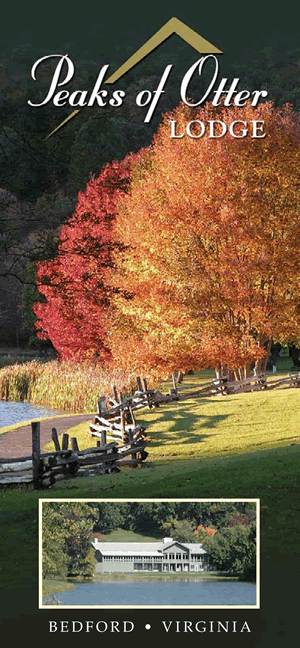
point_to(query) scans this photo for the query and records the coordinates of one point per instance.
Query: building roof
(145, 548)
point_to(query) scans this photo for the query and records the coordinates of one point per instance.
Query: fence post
(74, 445)
(131, 441)
(65, 442)
(145, 388)
(123, 423)
(102, 406)
(116, 397)
(55, 440)
(133, 421)
(36, 453)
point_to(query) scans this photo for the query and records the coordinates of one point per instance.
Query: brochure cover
(149, 165)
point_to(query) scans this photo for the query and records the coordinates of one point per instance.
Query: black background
(113, 31)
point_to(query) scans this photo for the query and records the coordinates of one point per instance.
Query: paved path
(17, 443)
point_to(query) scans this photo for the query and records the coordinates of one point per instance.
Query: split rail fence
(119, 439)
(222, 386)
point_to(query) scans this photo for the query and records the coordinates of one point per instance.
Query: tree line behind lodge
(227, 531)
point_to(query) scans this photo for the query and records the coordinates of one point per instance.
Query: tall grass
(63, 386)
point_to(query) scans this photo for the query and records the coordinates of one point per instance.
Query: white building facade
(166, 556)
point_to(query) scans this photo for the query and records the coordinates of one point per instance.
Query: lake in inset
(189, 592)
(12, 412)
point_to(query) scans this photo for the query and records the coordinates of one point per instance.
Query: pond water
(167, 592)
(14, 412)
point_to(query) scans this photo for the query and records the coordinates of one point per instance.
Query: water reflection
(161, 592)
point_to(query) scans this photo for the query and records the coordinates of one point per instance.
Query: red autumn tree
(73, 314)
(211, 229)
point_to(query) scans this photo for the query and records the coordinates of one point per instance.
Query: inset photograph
(149, 553)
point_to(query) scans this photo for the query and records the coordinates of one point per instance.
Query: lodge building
(166, 556)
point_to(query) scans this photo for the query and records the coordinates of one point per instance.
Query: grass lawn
(55, 586)
(215, 426)
(124, 535)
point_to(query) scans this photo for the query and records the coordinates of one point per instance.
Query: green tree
(233, 549)
(181, 530)
(149, 516)
(54, 558)
(109, 515)
(67, 535)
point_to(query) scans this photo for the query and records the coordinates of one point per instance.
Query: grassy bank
(56, 586)
(62, 386)
(207, 576)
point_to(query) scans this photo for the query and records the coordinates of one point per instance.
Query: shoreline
(60, 585)
(24, 424)
(161, 575)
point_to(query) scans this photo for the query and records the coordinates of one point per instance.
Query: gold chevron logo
(173, 26)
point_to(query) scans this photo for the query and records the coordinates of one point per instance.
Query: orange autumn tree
(211, 229)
